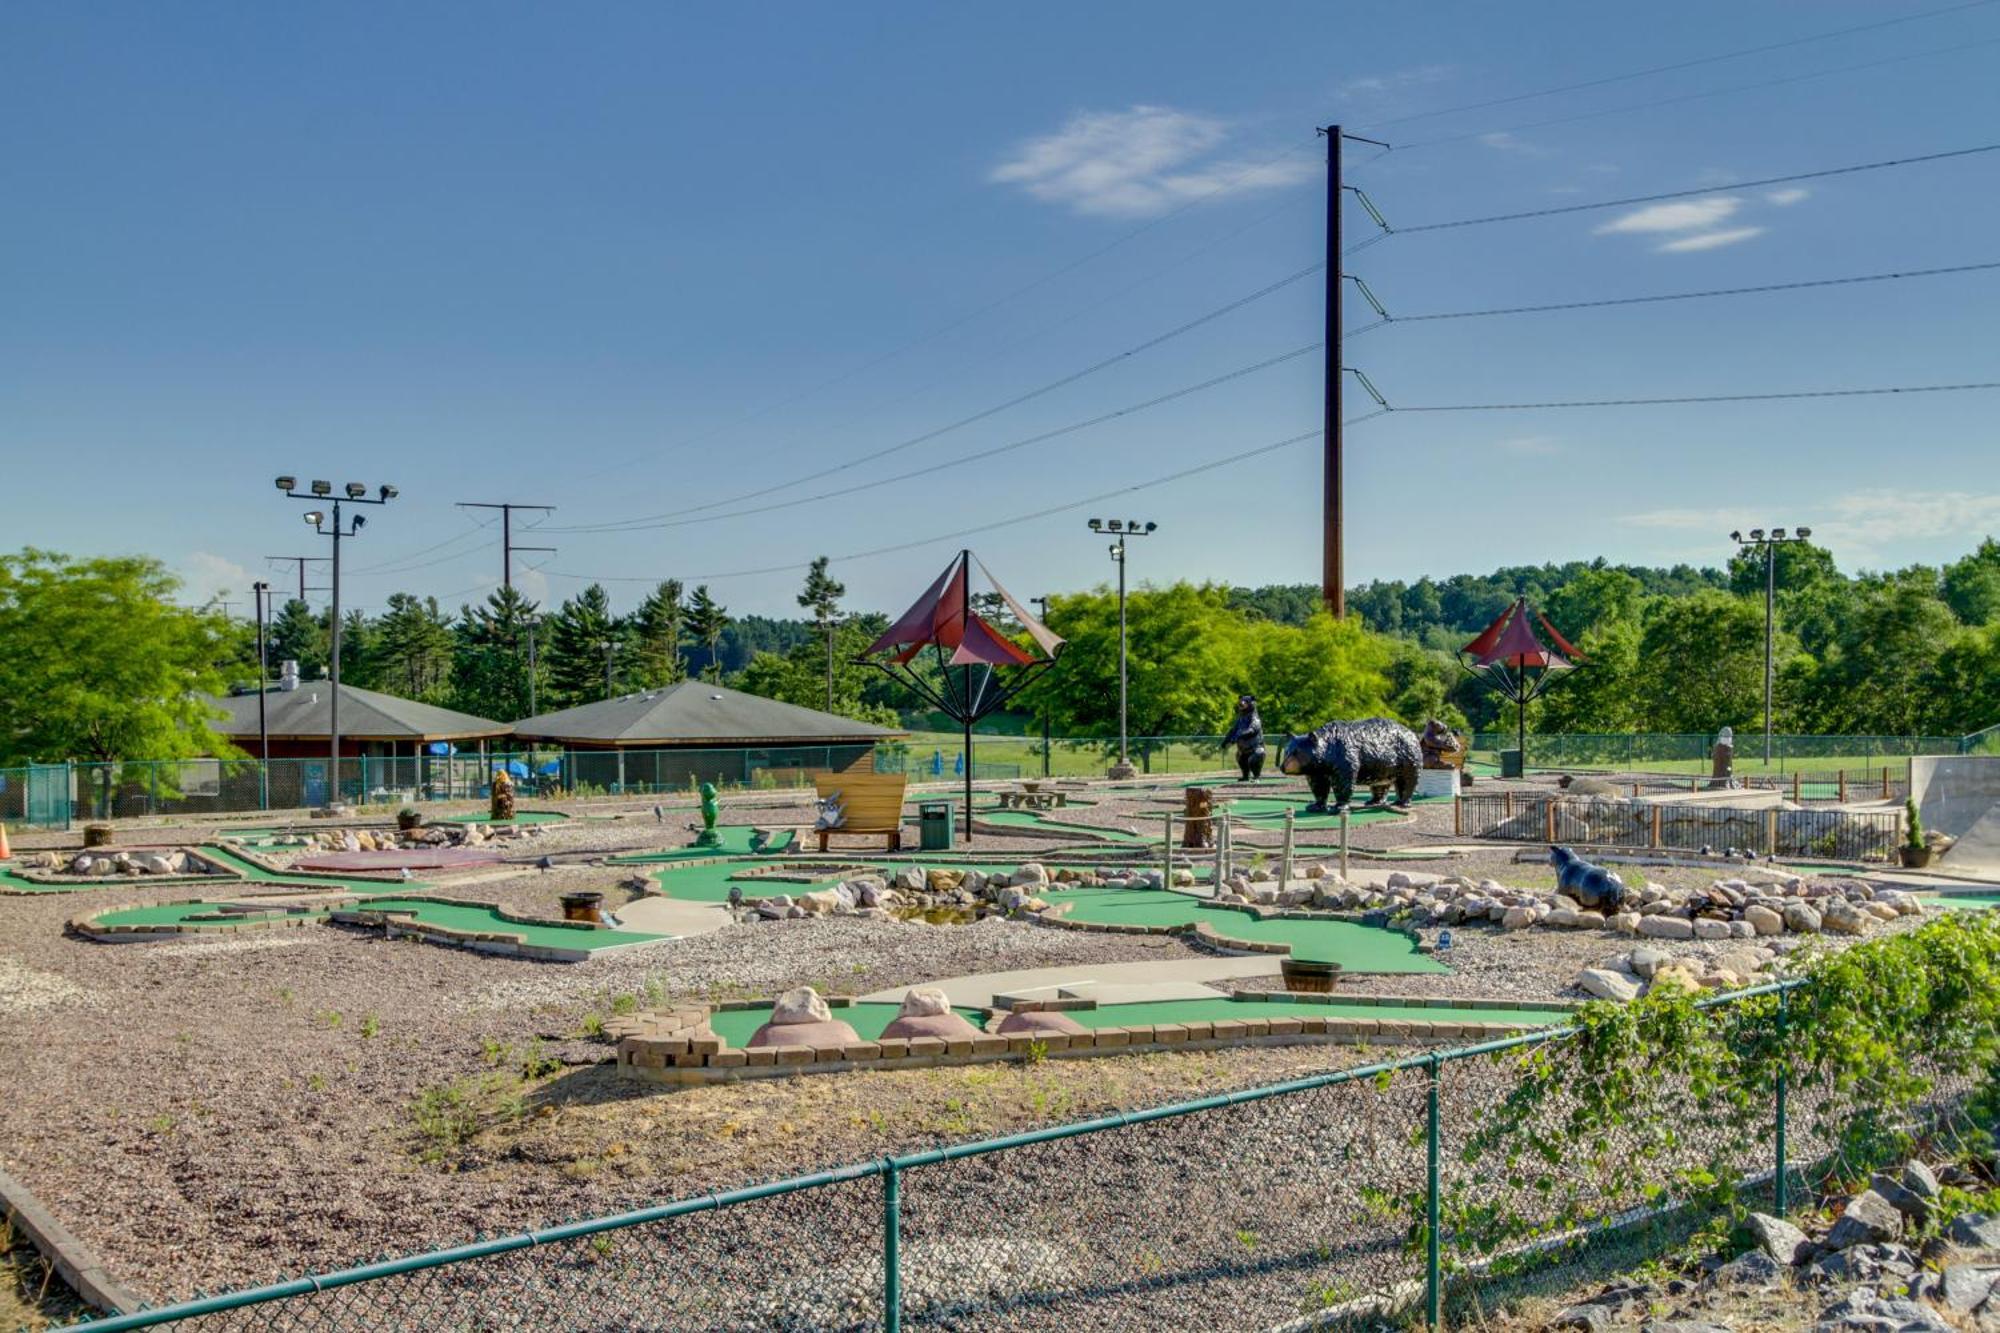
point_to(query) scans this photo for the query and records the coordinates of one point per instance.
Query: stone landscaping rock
(1963, 1288)
(1779, 1238)
(1801, 918)
(1862, 1263)
(1661, 927)
(924, 1001)
(1868, 1219)
(1752, 1269)
(1975, 1231)
(1901, 1198)
(802, 1004)
(1605, 984)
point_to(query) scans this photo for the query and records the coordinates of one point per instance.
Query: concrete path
(672, 916)
(979, 989)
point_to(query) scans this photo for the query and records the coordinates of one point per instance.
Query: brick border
(78, 1265)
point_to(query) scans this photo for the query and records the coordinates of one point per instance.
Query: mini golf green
(1960, 902)
(733, 840)
(485, 920)
(1271, 809)
(1040, 820)
(1203, 1011)
(710, 882)
(737, 1026)
(1357, 948)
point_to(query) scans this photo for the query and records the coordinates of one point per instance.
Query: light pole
(1769, 542)
(1043, 603)
(261, 592)
(1122, 528)
(356, 494)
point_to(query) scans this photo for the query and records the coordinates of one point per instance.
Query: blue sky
(637, 260)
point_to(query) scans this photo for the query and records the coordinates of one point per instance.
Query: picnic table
(1032, 796)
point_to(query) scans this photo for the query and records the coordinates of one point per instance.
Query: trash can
(934, 821)
(1510, 763)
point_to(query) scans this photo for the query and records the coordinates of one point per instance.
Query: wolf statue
(1376, 753)
(1247, 735)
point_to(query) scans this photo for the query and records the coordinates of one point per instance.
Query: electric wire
(383, 567)
(1678, 399)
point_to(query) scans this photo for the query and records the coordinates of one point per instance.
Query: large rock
(1844, 918)
(1801, 918)
(1752, 1269)
(1901, 1197)
(924, 1002)
(1605, 984)
(1975, 1231)
(802, 1004)
(1646, 960)
(1779, 1238)
(1962, 1288)
(1517, 918)
(1661, 927)
(1868, 1219)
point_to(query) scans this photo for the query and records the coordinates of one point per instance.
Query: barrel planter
(1309, 977)
(97, 835)
(584, 906)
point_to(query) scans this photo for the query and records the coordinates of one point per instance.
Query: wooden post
(1457, 817)
(1549, 820)
(1798, 786)
(1885, 782)
(1507, 804)
(1771, 831)
(1285, 862)
(1843, 786)
(1219, 827)
(1343, 844)
(1656, 826)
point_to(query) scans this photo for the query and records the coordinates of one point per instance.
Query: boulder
(1975, 1231)
(1903, 1199)
(1921, 1181)
(1862, 1263)
(1517, 918)
(1844, 918)
(1868, 1219)
(1030, 873)
(1605, 984)
(1801, 918)
(1709, 929)
(1751, 1269)
(1764, 920)
(1963, 1288)
(1626, 923)
(1646, 961)
(1778, 1238)
(924, 1002)
(1661, 927)
(801, 1004)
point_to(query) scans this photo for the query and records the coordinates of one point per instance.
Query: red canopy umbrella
(1508, 649)
(974, 668)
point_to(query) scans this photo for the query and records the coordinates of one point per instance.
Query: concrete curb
(86, 1276)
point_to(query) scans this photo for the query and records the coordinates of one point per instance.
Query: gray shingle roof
(694, 711)
(364, 715)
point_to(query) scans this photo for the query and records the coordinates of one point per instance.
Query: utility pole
(507, 547)
(301, 561)
(1043, 603)
(1333, 577)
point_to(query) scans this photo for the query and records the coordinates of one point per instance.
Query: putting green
(486, 920)
(1039, 819)
(734, 841)
(1271, 809)
(737, 1026)
(1357, 948)
(1202, 1011)
(711, 883)
(1960, 902)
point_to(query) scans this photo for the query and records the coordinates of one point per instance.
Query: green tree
(297, 635)
(575, 636)
(1603, 694)
(821, 596)
(1882, 673)
(413, 648)
(707, 619)
(100, 664)
(1701, 663)
(360, 664)
(798, 676)
(491, 662)
(657, 628)
(1972, 585)
(1594, 598)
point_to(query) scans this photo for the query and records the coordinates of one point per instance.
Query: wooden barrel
(1309, 977)
(582, 906)
(97, 835)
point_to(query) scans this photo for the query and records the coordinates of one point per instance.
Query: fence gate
(48, 803)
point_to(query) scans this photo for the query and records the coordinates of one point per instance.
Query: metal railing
(1636, 751)
(1330, 1199)
(1844, 835)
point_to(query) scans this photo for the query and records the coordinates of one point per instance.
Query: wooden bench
(871, 802)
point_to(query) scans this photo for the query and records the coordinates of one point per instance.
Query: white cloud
(1681, 215)
(1139, 163)
(1858, 525)
(1418, 76)
(1709, 240)
(1532, 446)
(206, 576)
(1786, 198)
(1502, 141)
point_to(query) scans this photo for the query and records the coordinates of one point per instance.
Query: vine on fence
(1668, 1100)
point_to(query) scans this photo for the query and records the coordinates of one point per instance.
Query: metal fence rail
(1336, 1198)
(1847, 835)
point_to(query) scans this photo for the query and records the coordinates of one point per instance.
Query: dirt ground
(216, 1112)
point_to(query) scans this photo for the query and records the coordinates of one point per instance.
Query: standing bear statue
(1376, 753)
(1247, 735)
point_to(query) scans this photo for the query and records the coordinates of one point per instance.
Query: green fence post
(1433, 1251)
(1781, 1185)
(892, 1238)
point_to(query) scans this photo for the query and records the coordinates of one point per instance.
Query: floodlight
(1097, 525)
(1736, 537)
(1756, 534)
(315, 517)
(390, 492)
(355, 490)
(1132, 523)
(287, 483)
(1777, 534)
(1150, 525)
(360, 522)
(322, 488)
(1802, 533)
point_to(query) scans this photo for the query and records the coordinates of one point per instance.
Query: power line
(1157, 340)
(390, 566)
(1706, 189)
(1677, 65)
(1066, 507)
(1701, 398)
(993, 452)
(1667, 296)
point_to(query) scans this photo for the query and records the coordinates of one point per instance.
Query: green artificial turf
(1961, 902)
(1041, 819)
(1199, 1011)
(737, 1026)
(1357, 948)
(1271, 809)
(734, 841)
(207, 916)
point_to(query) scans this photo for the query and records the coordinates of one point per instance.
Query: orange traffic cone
(5, 850)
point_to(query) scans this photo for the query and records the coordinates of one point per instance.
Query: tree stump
(97, 835)
(1198, 819)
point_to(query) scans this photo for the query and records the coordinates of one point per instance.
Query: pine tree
(707, 618)
(490, 675)
(297, 635)
(360, 662)
(657, 626)
(821, 596)
(574, 651)
(413, 648)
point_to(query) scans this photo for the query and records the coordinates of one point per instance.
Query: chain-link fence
(1445, 1181)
